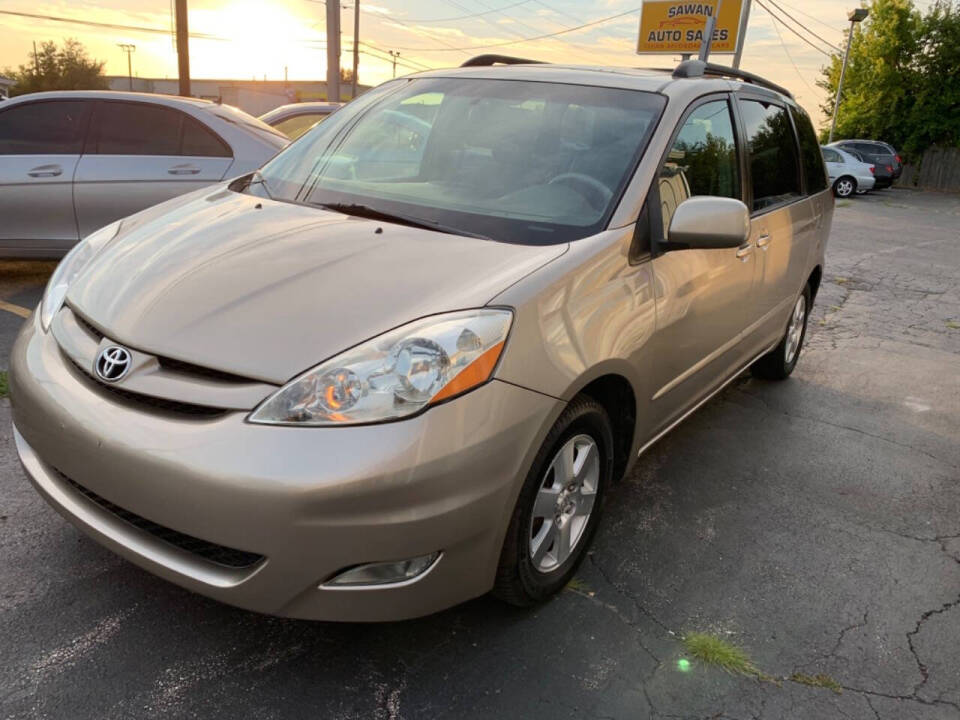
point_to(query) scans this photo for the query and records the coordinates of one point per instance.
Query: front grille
(185, 368)
(90, 329)
(173, 407)
(177, 366)
(211, 552)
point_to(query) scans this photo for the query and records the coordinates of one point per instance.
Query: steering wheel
(597, 194)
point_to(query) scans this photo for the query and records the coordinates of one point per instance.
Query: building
(253, 96)
(5, 85)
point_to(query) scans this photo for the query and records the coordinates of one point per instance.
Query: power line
(825, 42)
(531, 39)
(109, 26)
(812, 17)
(773, 21)
(517, 33)
(790, 28)
(467, 17)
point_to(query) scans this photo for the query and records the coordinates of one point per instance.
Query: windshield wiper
(365, 211)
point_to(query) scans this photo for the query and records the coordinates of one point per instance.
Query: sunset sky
(255, 38)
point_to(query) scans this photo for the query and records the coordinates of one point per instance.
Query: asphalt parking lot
(815, 523)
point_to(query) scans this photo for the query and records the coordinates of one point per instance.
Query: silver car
(295, 119)
(400, 365)
(848, 174)
(72, 162)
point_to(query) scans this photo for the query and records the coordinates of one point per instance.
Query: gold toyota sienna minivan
(399, 366)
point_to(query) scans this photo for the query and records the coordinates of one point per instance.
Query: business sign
(674, 27)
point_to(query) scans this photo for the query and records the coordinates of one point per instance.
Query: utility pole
(855, 16)
(394, 55)
(36, 60)
(129, 50)
(333, 50)
(356, 45)
(183, 47)
(742, 33)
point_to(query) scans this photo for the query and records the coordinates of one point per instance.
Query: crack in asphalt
(839, 426)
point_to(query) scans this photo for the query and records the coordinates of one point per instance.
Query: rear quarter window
(810, 155)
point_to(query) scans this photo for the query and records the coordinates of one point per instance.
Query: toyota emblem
(113, 362)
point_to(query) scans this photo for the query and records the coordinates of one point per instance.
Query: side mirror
(708, 223)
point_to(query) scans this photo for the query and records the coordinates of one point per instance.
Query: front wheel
(844, 187)
(780, 362)
(559, 506)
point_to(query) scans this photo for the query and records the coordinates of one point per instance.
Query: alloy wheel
(564, 503)
(795, 330)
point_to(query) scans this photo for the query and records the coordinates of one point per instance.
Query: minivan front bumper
(302, 503)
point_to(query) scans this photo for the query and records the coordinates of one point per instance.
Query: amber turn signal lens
(472, 375)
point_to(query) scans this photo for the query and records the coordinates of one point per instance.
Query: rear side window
(43, 128)
(199, 141)
(125, 128)
(832, 156)
(813, 169)
(294, 127)
(702, 159)
(774, 166)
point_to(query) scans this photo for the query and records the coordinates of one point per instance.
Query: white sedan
(73, 162)
(848, 174)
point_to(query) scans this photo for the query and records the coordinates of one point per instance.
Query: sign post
(678, 28)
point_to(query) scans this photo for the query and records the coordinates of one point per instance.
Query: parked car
(888, 166)
(848, 175)
(348, 389)
(295, 119)
(72, 162)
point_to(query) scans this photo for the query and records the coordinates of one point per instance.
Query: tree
(58, 68)
(902, 84)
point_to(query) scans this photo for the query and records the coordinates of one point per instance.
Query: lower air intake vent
(211, 552)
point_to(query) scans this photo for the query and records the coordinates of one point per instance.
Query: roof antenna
(708, 34)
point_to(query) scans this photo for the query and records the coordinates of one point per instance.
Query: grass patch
(580, 586)
(4, 384)
(952, 325)
(712, 650)
(818, 680)
(843, 203)
(841, 280)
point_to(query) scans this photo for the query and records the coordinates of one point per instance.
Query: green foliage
(818, 680)
(4, 384)
(712, 650)
(902, 84)
(58, 68)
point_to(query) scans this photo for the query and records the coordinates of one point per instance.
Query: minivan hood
(265, 289)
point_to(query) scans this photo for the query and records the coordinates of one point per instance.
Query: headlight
(69, 268)
(394, 375)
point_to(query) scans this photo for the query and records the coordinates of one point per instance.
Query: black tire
(519, 582)
(774, 365)
(845, 187)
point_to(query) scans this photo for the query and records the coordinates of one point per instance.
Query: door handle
(183, 170)
(744, 251)
(46, 171)
(763, 240)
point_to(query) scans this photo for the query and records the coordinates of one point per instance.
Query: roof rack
(698, 68)
(486, 60)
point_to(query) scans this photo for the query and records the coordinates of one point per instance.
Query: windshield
(525, 162)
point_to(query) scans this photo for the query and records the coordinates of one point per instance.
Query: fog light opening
(376, 574)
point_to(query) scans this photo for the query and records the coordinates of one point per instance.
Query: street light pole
(394, 55)
(855, 16)
(129, 50)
